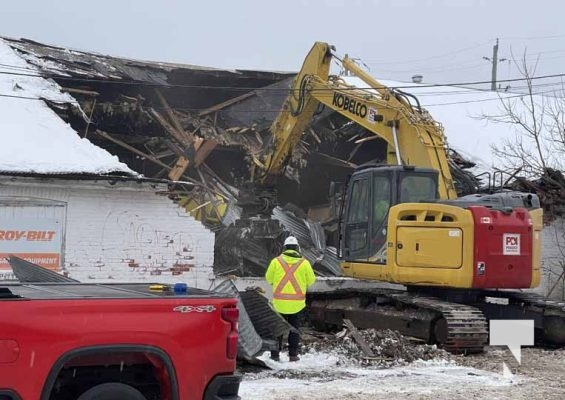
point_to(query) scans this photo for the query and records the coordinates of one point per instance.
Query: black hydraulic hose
(319, 109)
(406, 94)
(301, 96)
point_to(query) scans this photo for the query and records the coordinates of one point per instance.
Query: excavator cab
(396, 228)
(371, 191)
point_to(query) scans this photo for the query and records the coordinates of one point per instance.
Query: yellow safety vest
(290, 276)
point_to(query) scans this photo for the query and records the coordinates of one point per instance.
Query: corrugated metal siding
(249, 343)
(238, 254)
(27, 272)
(267, 323)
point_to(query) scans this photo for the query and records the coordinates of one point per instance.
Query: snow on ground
(460, 111)
(33, 138)
(324, 376)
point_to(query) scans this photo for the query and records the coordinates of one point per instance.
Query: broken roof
(34, 138)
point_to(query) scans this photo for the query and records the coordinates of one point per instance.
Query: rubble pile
(237, 252)
(551, 190)
(390, 348)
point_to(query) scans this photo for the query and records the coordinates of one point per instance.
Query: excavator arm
(413, 136)
(297, 111)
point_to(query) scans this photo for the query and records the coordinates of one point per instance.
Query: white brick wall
(124, 231)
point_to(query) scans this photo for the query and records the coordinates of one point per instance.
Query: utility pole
(494, 61)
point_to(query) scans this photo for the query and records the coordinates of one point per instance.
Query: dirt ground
(541, 374)
(333, 368)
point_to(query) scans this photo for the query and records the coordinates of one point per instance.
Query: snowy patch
(323, 376)
(34, 138)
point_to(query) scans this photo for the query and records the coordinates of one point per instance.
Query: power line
(449, 67)
(242, 88)
(467, 64)
(432, 57)
(281, 111)
(485, 100)
(532, 37)
(462, 50)
(29, 98)
(16, 67)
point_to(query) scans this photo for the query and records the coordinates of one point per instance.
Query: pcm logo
(511, 244)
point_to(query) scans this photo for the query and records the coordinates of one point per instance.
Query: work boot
(293, 358)
(275, 356)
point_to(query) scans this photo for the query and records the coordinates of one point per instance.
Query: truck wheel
(112, 391)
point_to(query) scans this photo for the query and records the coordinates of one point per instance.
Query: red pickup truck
(74, 341)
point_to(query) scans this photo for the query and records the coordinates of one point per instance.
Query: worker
(380, 211)
(381, 200)
(290, 275)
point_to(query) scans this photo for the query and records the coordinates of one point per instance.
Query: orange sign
(37, 240)
(41, 236)
(50, 261)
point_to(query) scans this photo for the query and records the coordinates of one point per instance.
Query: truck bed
(53, 291)
(71, 337)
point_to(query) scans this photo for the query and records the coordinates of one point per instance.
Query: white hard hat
(291, 240)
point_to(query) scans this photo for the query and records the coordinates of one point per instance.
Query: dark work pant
(296, 321)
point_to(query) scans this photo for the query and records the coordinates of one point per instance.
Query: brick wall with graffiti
(124, 231)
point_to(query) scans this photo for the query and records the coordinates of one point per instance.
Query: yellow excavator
(403, 223)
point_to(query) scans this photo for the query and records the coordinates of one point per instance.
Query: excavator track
(549, 315)
(458, 328)
(461, 328)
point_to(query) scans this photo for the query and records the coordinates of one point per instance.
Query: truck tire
(112, 391)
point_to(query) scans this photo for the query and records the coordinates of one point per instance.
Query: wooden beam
(178, 169)
(366, 139)
(106, 135)
(173, 118)
(210, 194)
(80, 91)
(203, 151)
(205, 147)
(226, 186)
(202, 147)
(358, 338)
(169, 128)
(225, 104)
(175, 148)
(335, 161)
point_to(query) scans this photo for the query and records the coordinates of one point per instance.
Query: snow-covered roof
(461, 111)
(34, 139)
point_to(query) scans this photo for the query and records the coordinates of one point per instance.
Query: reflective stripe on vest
(289, 278)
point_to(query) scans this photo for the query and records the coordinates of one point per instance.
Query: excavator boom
(412, 135)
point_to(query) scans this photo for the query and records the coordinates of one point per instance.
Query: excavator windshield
(418, 189)
(371, 193)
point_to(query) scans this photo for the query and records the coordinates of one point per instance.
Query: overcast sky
(442, 40)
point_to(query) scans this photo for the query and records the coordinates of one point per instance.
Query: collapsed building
(199, 127)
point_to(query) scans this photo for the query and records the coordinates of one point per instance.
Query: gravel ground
(541, 374)
(334, 367)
